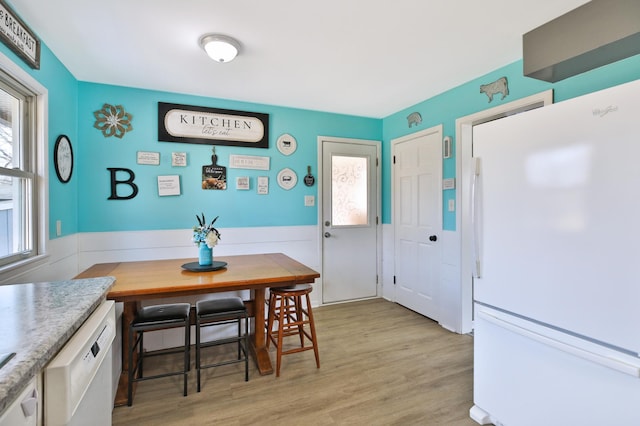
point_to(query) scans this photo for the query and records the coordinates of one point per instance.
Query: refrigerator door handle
(475, 223)
(616, 364)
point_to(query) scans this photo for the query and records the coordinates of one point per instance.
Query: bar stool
(286, 306)
(216, 312)
(157, 317)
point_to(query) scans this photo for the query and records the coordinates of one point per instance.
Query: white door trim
(463, 171)
(320, 204)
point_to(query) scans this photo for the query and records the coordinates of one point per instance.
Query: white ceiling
(362, 57)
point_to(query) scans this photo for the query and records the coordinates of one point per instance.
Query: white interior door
(350, 211)
(417, 202)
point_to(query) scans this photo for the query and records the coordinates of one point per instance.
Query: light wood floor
(380, 364)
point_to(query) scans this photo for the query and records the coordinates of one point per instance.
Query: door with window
(349, 219)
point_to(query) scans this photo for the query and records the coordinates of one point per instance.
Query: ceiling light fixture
(220, 48)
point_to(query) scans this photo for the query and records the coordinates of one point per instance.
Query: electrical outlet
(309, 200)
(58, 228)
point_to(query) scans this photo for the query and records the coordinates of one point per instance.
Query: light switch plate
(309, 200)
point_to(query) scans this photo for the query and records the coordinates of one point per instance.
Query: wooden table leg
(258, 342)
(128, 314)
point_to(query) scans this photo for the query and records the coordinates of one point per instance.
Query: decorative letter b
(114, 182)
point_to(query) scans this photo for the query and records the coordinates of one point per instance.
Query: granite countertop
(36, 320)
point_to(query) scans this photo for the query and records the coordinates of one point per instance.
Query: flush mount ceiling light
(220, 48)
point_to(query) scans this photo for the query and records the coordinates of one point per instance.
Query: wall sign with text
(18, 37)
(212, 126)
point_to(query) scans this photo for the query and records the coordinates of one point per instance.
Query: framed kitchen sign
(212, 126)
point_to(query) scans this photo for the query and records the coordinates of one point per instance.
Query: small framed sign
(249, 162)
(168, 185)
(263, 185)
(151, 158)
(242, 182)
(179, 159)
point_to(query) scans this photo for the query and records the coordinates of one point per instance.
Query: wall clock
(63, 158)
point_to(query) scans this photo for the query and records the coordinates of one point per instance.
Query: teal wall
(82, 205)
(466, 99)
(236, 208)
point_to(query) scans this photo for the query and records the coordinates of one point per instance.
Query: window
(349, 190)
(19, 207)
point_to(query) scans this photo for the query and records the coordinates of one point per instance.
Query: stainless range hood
(595, 34)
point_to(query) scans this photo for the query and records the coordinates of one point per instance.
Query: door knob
(433, 238)
(327, 235)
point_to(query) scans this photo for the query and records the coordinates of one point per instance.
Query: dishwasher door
(77, 382)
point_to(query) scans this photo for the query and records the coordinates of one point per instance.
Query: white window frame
(41, 169)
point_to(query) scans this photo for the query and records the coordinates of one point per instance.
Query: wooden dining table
(157, 279)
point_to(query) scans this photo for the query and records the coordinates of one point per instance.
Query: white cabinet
(24, 411)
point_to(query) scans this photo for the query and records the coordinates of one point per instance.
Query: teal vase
(205, 255)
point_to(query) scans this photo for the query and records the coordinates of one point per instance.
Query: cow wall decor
(501, 85)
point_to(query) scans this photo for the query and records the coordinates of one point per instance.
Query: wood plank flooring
(380, 364)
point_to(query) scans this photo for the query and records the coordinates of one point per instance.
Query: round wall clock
(63, 158)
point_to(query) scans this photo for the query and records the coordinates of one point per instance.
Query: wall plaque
(18, 37)
(212, 126)
(152, 158)
(249, 162)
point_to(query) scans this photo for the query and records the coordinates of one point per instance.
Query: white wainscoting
(59, 263)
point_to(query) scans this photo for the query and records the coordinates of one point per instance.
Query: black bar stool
(157, 317)
(218, 312)
(294, 317)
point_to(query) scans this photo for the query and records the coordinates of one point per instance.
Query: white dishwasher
(77, 382)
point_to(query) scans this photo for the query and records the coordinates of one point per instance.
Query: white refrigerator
(556, 219)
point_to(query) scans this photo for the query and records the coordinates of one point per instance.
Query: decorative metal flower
(113, 121)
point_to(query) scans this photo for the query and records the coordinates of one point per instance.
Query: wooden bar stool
(218, 312)
(157, 317)
(294, 317)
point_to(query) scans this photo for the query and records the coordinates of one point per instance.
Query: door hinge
(376, 279)
(394, 280)
(377, 220)
(394, 159)
(377, 164)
